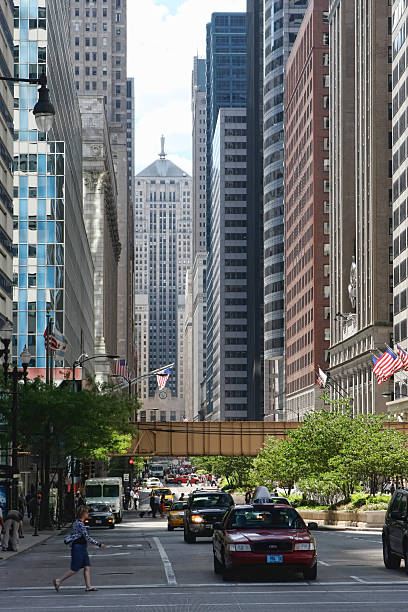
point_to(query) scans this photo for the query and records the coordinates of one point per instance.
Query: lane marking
(187, 606)
(118, 554)
(323, 563)
(357, 579)
(177, 594)
(168, 568)
(220, 585)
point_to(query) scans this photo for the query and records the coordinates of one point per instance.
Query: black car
(395, 531)
(204, 508)
(100, 515)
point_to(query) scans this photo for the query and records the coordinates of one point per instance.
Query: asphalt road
(145, 567)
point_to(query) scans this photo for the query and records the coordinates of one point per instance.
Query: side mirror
(396, 515)
(218, 526)
(312, 526)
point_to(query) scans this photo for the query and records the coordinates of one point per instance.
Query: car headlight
(196, 518)
(239, 547)
(305, 546)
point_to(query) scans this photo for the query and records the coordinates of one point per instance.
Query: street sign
(126, 477)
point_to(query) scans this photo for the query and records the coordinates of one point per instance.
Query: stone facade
(360, 197)
(101, 221)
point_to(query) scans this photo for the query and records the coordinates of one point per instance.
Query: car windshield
(211, 501)
(178, 506)
(93, 491)
(162, 491)
(110, 490)
(276, 518)
(99, 508)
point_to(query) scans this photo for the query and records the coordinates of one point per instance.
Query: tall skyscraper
(163, 228)
(227, 288)
(307, 283)
(360, 195)
(255, 208)
(226, 88)
(399, 179)
(130, 134)
(282, 22)
(49, 232)
(101, 222)
(195, 367)
(6, 165)
(98, 43)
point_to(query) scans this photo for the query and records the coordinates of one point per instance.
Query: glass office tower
(49, 235)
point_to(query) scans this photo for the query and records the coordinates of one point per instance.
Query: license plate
(274, 558)
(98, 522)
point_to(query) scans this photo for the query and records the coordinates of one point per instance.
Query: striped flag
(121, 368)
(57, 342)
(403, 355)
(323, 376)
(319, 381)
(386, 365)
(162, 378)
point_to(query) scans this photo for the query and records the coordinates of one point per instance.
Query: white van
(106, 491)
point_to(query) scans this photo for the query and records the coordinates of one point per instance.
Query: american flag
(403, 355)
(162, 378)
(319, 381)
(386, 365)
(121, 368)
(57, 341)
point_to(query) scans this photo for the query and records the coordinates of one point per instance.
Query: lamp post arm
(18, 80)
(148, 375)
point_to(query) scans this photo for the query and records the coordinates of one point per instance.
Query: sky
(163, 37)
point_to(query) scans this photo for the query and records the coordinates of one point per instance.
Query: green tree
(276, 462)
(235, 470)
(54, 423)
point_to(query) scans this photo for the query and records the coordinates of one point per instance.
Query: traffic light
(131, 461)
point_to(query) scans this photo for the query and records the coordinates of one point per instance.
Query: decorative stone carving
(91, 180)
(352, 288)
(96, 150)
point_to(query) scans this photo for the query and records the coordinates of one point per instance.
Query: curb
(349, 528)
(32, 544)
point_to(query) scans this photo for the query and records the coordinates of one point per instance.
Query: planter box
(345, 518)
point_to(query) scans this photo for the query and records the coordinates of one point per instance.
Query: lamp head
(6, 332)
(44, 111)
(25, 356)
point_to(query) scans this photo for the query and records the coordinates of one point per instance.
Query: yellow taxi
(168, 495)
(175, 517)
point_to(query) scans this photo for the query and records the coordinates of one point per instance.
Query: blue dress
(79, 551)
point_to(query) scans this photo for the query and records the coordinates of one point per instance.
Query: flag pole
(51, 356)
(47, 352)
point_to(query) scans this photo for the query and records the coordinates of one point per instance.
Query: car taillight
(304, 546)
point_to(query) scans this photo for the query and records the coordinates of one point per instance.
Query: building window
(325, 38)
(325, 59)
(326, 80)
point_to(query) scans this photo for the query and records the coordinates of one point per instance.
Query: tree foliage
(236, 470)
(332, 454)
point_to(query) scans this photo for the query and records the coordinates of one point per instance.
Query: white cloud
(161, 47)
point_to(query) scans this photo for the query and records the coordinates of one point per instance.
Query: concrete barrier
(345, 518)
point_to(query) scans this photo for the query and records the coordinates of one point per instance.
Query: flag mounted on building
(323, 376)
(319, 381)
(162, 378)
(403, 355)
(387, 364)
(121, 368)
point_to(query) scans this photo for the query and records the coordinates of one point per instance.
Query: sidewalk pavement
(29, 539)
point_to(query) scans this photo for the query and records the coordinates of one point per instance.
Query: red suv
(263, 536)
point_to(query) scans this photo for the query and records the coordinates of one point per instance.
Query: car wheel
(111, 526)
(170, 527)
(310, 573)
(391, 561)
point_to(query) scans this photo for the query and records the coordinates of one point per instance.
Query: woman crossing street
(79, 553)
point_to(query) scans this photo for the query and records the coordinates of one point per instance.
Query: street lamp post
(16, 375)
(43, 111)
(83, 358)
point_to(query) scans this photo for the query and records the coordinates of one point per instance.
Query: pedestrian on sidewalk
(12, 529)
(79, 552)
(157, 508)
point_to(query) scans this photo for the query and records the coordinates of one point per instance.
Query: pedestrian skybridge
(230, 439)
